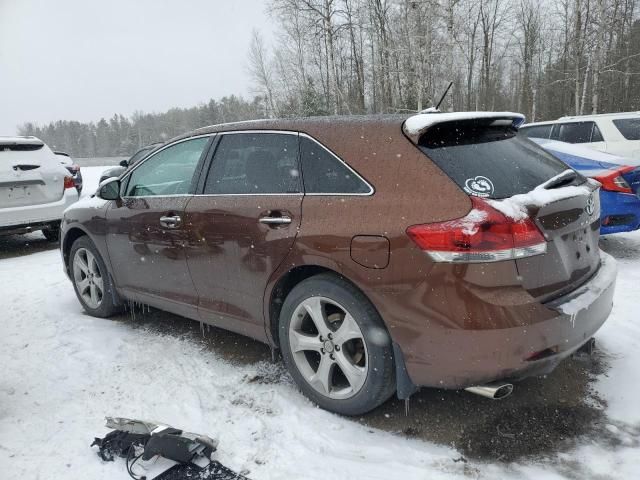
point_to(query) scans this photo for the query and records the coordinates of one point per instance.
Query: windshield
(140, 154)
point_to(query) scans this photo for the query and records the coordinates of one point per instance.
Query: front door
(243, 225)
(147, 231)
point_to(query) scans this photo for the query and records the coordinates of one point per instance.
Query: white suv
(615, 133)
(35, 188)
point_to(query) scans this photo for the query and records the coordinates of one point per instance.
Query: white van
(615, 133)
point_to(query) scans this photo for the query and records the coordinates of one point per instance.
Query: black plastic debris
(214, 471)
(137, 440)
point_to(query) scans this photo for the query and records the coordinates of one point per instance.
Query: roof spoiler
(417, 125)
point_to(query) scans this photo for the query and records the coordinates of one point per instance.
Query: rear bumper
(514, 353)
(20, 217)
(620, 212)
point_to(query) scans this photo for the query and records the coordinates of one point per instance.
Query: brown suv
(378, 254)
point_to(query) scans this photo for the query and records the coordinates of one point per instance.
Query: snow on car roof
(600, 115)
(20, 141)
(417, 124)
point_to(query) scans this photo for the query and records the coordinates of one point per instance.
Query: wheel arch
(281, 288)
(70, 236)
(287, 282)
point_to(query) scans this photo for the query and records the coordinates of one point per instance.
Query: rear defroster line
(136, 440)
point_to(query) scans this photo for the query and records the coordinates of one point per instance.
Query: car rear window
(21, 147)
(629, 127)
(488, 160)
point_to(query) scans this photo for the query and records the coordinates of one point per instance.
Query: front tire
(91, 280)
(335, 346)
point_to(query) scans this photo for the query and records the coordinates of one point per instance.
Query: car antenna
(444, 95)
(436, 109)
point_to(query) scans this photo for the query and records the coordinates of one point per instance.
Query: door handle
(275, 220)
(171, 222)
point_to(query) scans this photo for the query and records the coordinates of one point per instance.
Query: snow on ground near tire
(63, 371)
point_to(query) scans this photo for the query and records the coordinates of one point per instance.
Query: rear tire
(335, 346)
(91, 279)
(52, 233)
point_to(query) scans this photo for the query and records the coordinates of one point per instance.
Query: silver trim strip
(163, 196)
(300, 194)
(282, 132)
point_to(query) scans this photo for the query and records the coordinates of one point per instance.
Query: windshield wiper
(565, 178)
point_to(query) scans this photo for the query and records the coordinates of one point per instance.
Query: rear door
(29, 174)
(492, 161)
(242, 226)
(147, 231)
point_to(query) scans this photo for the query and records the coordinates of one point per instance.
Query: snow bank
(416, 124)
(65, 371)
(516, 207)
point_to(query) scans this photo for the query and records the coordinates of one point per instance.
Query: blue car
(620, 192)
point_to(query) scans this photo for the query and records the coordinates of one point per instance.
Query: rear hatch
(30, 174)
(486, 158)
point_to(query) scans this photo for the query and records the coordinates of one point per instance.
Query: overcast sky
(86, 59)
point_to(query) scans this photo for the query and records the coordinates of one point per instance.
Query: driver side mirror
(124, 163)
(109, 189)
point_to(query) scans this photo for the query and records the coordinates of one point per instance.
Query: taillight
(613, 181)
(68, 182)
(483, 235)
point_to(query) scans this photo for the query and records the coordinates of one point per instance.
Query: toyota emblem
(591, 205)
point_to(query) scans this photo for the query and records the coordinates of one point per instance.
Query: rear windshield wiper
(565, 178)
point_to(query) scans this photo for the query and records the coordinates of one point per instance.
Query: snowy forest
(545, 58)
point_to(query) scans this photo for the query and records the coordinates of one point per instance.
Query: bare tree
(260, 70)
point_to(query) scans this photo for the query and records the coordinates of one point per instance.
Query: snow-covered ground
(64, 371)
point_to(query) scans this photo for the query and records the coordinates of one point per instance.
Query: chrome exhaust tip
(495, 391)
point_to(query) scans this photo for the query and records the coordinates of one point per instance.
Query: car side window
(323, 172)
(168, 172)
(578, 132)
(537, 131)
(255, 163)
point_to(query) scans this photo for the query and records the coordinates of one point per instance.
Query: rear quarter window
(489, 161)
(325, 173)
(628, 127)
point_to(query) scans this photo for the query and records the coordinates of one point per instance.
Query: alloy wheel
(328, 347)
(88, 278)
